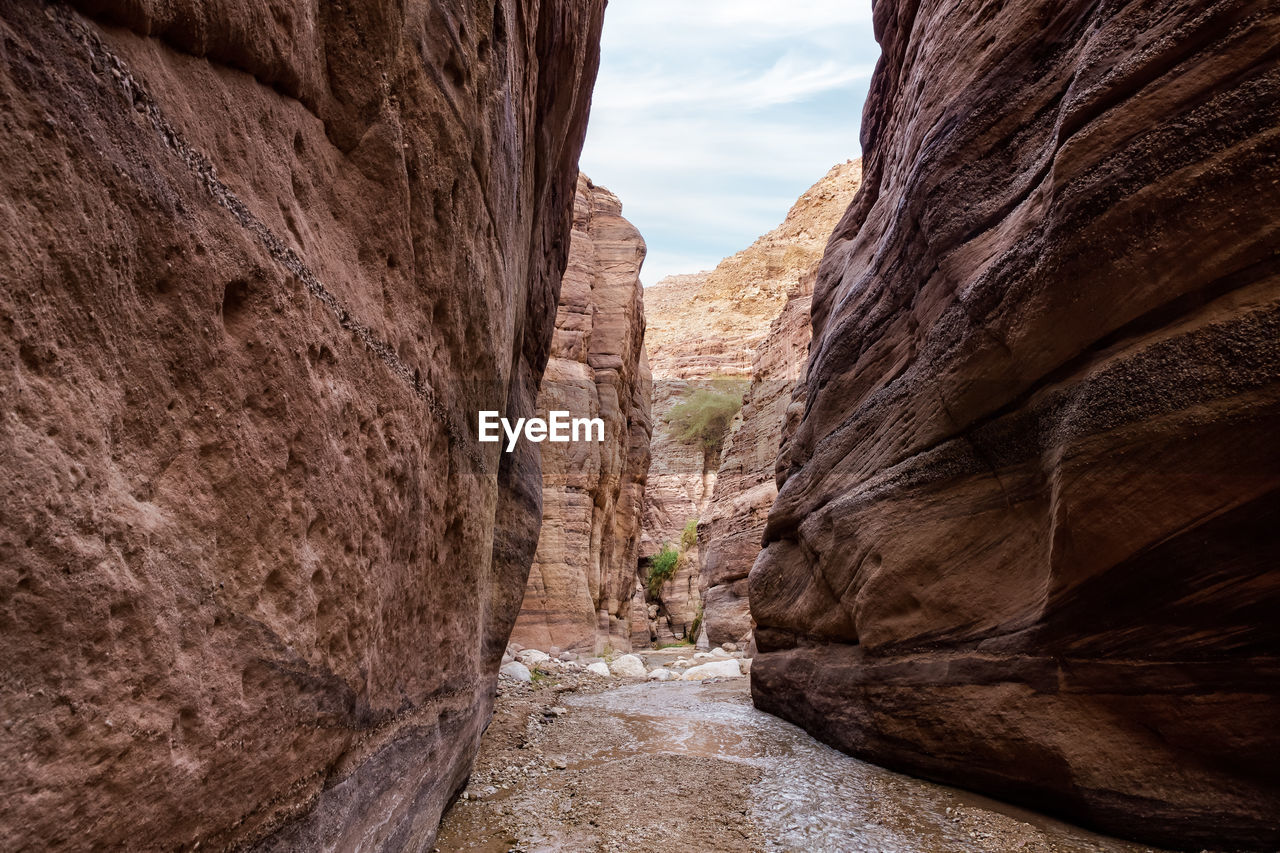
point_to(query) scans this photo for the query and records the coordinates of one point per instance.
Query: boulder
(529, 657)
(661, 674)
(628, 666)
(516, 670)
(599, 668)
(715, 669)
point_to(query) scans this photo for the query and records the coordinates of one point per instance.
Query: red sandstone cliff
(261, 264)
(580, 588)
(1026, 535)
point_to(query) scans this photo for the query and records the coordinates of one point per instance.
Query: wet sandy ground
(592, 765)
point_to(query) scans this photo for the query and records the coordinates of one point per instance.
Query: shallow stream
(694, 767)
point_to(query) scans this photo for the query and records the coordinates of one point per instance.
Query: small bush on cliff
(689, 537)
(662, 567)
(703, 419)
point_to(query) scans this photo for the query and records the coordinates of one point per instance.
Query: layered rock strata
(260, 266)
(704, 332)
(582, 582)
(1025, 538)
(733, 520)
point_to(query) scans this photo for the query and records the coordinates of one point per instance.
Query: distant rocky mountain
(706, 331)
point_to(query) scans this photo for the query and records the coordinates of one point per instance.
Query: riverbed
(577, 765)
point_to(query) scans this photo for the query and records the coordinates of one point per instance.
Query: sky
(711, 117)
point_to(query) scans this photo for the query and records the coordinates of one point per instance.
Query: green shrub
(662, 567)
(692, 636)
(704, 417)
(689, 536)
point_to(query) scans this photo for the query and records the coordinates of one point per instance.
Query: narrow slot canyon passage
(640, 426)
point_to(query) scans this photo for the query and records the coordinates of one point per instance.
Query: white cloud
(788, 80)
(735, 20)
(711, 116)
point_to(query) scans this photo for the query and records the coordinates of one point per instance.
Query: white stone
(717, 669)
(720, 654)
(729, 647)
(516, 670)
(702, 656)
(628, 666)
(599, 668)
(529, 657)
(661, 674)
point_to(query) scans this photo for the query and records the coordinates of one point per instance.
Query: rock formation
(1025, 539)
(733, 520)
(710, 324)
(704, 331)
(583, 578)
(262, 264)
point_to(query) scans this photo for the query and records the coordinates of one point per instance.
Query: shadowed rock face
(261, 265)
(1026, 534)
(583, 578)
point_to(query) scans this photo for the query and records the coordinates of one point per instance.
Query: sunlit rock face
(582, 582)
(1025, 539)
(733, 520)
(262, 263)
(712, 330)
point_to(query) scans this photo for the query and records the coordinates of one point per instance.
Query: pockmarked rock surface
(707, 331)
(582, 582)
(260, 266)
(1025, 540)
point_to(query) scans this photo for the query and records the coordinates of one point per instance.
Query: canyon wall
(733, 519)
(582, 582)
(260, 266)
(705, 331)
(1025, 539)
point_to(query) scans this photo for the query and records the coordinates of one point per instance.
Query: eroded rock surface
(733, 520)
(582, 582)
(1025, 540)
(260, 265)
